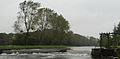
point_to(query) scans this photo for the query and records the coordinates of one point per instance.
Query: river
(75, 53)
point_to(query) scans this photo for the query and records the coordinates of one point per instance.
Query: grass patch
(32, 47)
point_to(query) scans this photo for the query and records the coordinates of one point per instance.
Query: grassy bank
(32, 47)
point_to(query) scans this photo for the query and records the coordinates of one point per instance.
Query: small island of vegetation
(38, 27)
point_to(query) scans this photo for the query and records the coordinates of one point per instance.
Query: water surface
(75, 53)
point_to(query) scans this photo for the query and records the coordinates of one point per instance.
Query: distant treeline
(49, 39)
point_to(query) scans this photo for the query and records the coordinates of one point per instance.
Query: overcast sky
(86, 17)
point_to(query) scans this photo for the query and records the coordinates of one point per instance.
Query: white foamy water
(75, 53)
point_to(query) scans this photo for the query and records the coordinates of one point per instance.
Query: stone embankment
(106, 52)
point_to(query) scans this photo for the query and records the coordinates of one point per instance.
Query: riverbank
(16, 47)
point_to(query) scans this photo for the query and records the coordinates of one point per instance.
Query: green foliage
(34, 39)
(79, 40)
(116, 36)
(5, 39)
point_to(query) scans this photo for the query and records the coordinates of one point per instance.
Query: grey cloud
(86, 17)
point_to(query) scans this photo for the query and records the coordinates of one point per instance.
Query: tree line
(74, 40)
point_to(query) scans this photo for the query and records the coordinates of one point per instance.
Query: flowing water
(75, 53)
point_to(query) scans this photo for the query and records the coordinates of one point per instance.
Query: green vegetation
(117, 47)
(116, 36)
(79, 40)
(74, 40)
(111, 39)
(32, 47)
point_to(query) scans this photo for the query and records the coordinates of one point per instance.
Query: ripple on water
(76, 53)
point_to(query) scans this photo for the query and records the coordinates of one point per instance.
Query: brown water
(75, 53)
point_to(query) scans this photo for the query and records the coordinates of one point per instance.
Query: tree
(41, 20)
(116, 35)
(49, 19)
(25, 21)
(117, 29)
(28, 10)
(60, 27)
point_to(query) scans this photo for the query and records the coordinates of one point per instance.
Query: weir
(28, 51)
(108, 46)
